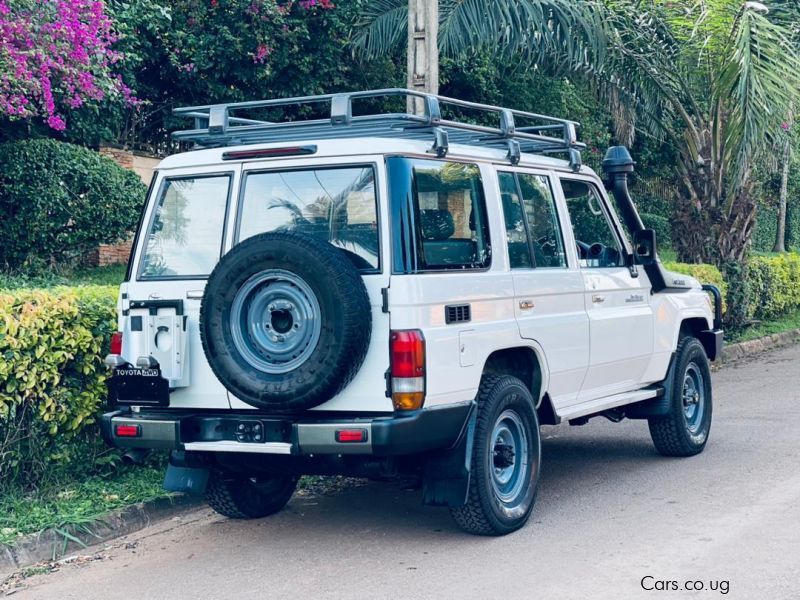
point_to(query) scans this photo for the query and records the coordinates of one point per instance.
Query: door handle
(194, 294)
(526, 304)
(598, 299)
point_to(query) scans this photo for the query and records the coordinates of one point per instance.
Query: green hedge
(58, 201)
(774, 285)
(51, 377)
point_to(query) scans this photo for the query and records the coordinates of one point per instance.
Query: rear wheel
(240, 497)
(684, 430)
(506, 459)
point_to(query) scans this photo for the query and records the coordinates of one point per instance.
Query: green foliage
(662, 227)
(774, 285)
(52, 380)
(186, 52)
(70, 503)
(57, 201)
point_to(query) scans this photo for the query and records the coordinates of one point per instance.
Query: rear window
(335, 204)
(185, 235)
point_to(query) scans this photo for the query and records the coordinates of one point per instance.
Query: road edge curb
(49, 544)
(738, 351)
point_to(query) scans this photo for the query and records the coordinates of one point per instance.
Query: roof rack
(217, 125)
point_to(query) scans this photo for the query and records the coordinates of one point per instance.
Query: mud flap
(189, 480)
(447, 473)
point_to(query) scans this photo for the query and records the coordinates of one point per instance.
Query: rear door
(184, 231)
(548, 286)
(340, 201)
(617, 297)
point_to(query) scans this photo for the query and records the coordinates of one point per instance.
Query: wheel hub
(275, 321)
(693, 396)
(508, 458)
(503, 456)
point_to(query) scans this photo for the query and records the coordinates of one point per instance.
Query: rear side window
(335, 204)
(185, 235)
(451, 226)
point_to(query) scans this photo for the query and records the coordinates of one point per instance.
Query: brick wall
(143, 166)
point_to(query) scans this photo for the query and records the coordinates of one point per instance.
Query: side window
(451, 225)
(595, 236)
(531, 221)
(542, 220)
(519, 251)
(185, 235)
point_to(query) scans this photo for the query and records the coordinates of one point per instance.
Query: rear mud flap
(447, 473)
(186, 479)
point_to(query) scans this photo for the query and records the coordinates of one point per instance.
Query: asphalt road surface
(612, 519)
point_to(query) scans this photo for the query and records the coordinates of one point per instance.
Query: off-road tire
(673, 434)
(238, 497)
(344, 324)
(485, 513)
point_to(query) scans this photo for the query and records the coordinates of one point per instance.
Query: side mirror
(644, 247)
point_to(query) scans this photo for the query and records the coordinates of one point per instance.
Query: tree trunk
(780, 235)
(712, 234)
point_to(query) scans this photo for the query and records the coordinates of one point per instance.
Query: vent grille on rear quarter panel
(457, 313)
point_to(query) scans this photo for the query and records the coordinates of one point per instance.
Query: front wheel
(240, 497)
(684, 430)
(506, 459)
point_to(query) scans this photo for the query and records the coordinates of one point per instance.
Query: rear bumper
(391, 435)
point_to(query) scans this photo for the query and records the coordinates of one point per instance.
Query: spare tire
(285, 321)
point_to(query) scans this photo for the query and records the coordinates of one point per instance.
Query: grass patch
(764, 328)
(69, 503)
(109, 275)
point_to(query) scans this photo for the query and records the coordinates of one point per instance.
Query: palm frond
(757, 88)
(383, 25)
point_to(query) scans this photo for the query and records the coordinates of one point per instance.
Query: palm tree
(714, 78)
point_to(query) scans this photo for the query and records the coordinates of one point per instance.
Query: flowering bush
(55, 54)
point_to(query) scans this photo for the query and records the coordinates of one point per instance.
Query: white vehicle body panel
(593, 355)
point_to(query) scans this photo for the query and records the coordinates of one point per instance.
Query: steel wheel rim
(508, 457)
(275, 321)
(693, 397)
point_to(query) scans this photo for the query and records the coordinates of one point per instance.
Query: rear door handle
(526, 304)
(194, 294)
(598, 299)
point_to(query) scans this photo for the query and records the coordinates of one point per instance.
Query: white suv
(379, 293)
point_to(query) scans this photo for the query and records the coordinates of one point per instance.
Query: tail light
(116, 343)
(407, 349)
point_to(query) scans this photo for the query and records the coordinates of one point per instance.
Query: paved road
(610, 513)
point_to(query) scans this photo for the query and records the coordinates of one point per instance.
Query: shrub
(774, 285)
(662, 227)
(58, 201)
(51, 377)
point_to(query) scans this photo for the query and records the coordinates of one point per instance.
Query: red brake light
(116, 343)
(269, 152)
(344, 436)
(127, 431)
(408, 353)
(407, 350)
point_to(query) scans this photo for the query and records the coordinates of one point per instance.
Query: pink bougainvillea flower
(56, 53)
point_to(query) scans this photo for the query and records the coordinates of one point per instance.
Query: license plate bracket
(138, 386)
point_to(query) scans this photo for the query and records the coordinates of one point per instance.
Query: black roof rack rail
(220, 125)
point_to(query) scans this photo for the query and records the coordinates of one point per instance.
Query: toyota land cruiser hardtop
(390, 292)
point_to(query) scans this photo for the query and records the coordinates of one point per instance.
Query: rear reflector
(407, 351)
(269, 152)
(127, 431)
(116, 343)
(348, 436)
